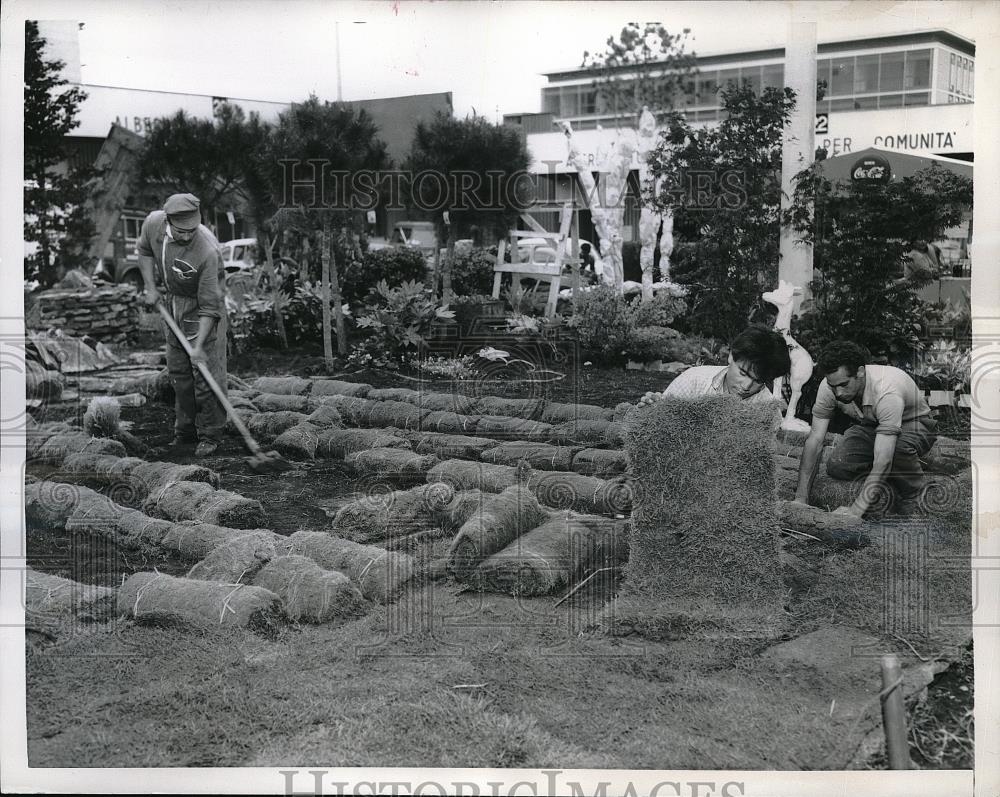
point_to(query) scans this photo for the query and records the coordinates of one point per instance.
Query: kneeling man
(893, 427)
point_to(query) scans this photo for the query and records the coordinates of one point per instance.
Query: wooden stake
(894, 714)
(324, 254)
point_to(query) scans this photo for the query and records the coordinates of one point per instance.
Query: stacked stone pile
(109, 314)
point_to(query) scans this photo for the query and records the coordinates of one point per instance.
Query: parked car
(541, 249)
(239, 255)
(417, 234)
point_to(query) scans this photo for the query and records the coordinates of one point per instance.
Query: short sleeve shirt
(706, 380)
(187, 270)
(891, 398)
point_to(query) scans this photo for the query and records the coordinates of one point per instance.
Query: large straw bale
(339, 443)
(49, 598)
(278, 402)
(549, 556)
(404, 394)
(49, 504)
(395, 463)
(238, 559)
(378, 573)
(159, 598)
(602, 462)
(449, 422)
(308, 592)
(588, 432)
(202, 502)
(379, 516)
(394, 413)
(557, 412)
(284, 385)
(503, 518)
(464, 475)
(335, 387)
(512, 428)
(353, 411)
(539, 455)
(268, 425)
(447, 446)
(527, 409)
(326, 416)
(299, 442)
(448, 402)
(703, 535)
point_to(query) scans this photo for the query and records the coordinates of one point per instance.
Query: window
(550, 101)
(917, 74)
(569, 102)
(965, 77)
(773, 75)
(891, 72)
(917, 98)
(972, 79)
(841, 77)
(951, 74)
(750, 75)
(729, 77)
(706, 87)
(890, 101)
(865, 103)
(865, 74)
(588, 101)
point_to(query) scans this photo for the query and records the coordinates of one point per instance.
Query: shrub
(660, 311)
(651, 343)
(472, 273)
(399, 321)
(394, 265)
(603, 323)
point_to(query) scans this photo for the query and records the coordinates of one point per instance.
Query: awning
(902, 164)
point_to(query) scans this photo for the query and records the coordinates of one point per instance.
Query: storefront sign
(873, 169)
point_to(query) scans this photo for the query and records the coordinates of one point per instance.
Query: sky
(491, 55)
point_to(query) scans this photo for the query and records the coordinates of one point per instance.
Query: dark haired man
(757, 357)
(174, 245)
(893, 427)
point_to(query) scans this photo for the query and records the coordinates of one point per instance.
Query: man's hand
(851, 510)
(800, 501)
(150, 297)
(198, 355)
(648, 398)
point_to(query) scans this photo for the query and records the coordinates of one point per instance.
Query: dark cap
(183, 210)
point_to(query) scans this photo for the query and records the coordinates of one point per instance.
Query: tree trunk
(267, 245)
(325, 244)
(446, 270)
(338, 309)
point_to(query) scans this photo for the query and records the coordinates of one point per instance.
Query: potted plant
(944, 373)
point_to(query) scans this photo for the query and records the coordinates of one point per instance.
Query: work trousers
(854, 455)
(197, 412)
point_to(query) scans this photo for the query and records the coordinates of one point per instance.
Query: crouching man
(893, 427)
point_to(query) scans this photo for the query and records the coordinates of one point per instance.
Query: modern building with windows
(910, 92)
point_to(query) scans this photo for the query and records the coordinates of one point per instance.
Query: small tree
(723, 185)
(861, 233)
(474, 172)
(54, 194)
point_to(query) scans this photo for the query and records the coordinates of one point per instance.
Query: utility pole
(798, 149)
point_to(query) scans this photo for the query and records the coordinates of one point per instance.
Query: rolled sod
(237, 560)
(49, 598)
(353, 411)
(542, 456)
(948, 456)
(154, 475)
(159, 598)
(600, 462)
(299, 442)
(446, 446)
(549, 556)
(283, 385)
(202, 502)
(269, 425)
(463, 505)
(41, 383)
(36, 434)
(403, 394)
(326, 416)
(503, 518)
(241, 401)
(448, 402)
(391, 463)
(529, 409)
(556, 412)
(385, 515)
(449, 422)
(378, 573)
(339, 443)
(621, 411)
(128, 528)
(309, 593)
(840, 530)
(48, 505)
(704, 532)
(194, 541)
(567, 490)
(59, 446)
(588, 432)
(502, 427)
(464, 475)
(335, 387)
(278, 402)
(393, 413)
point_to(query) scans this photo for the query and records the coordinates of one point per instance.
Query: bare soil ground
(446, 677)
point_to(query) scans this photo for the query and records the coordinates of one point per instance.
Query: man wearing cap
(176, 246)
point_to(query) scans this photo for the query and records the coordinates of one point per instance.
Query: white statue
(650, 219)
(782, 297)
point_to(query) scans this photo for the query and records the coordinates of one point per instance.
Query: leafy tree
(54, 215)
(861, 233)
(481, 179)
(336, 138)
(723, 185)
(645, 65)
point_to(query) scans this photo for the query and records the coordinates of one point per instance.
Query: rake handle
(210, 381)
